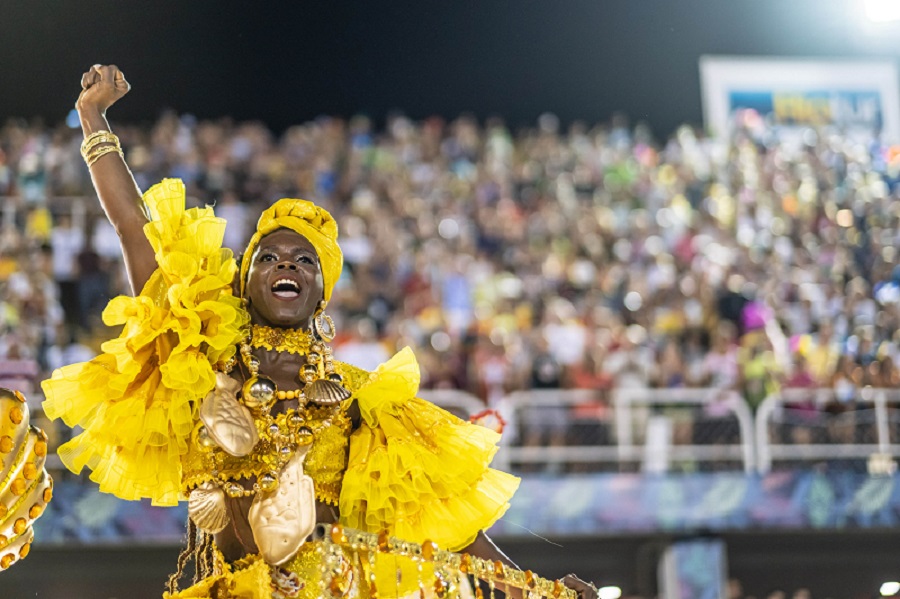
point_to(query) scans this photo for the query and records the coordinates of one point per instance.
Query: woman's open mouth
(286, 289)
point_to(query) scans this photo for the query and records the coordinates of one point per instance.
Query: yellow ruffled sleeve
(415, 470)
(137, 401)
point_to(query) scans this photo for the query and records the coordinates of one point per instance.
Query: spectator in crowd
(67, 241)
(462, 240)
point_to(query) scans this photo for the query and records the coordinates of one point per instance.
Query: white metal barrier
(861, 432)
(657, 450)
(630, 420)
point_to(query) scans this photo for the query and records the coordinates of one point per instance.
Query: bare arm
(103, 86)
(485, 548)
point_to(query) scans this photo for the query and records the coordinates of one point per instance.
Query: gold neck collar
(293, 341)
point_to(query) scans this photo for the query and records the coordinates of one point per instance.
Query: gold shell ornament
(206, 507)
(228, 423)
(326, 392)
(283, 518)
(25, 486)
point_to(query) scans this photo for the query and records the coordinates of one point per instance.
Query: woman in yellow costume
(227, 395)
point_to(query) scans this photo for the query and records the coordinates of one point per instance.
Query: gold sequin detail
(292, 341)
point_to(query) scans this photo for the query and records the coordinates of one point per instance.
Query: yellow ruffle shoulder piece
(137, 401)
(415, 470)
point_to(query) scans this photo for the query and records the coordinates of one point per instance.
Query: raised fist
(101, 87)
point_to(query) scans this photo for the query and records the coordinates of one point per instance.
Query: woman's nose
(287, 265)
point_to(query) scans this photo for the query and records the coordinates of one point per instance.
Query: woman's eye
(305, 259)
(267, 257)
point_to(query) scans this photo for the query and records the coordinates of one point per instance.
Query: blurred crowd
(572, 257)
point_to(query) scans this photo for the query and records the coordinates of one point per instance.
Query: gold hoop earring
(324, 327)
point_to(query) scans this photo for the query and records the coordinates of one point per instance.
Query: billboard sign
(856, 98)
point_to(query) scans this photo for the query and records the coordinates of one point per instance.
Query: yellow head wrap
(310, 221)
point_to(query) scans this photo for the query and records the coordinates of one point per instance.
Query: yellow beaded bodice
(325, 462)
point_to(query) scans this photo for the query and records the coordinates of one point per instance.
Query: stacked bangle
(98, 144)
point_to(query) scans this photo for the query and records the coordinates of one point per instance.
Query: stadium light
(889, 589)
(609, 592)
(882, 11)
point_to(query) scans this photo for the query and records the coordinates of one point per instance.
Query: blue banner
(858, 109)
(635, 503)
(584, 505)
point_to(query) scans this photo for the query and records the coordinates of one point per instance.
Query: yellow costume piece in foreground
(25, 485)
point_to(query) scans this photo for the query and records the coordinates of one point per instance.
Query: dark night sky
(288, 62)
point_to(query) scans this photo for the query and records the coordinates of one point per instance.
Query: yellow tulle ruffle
(417, 471)
(137, 401)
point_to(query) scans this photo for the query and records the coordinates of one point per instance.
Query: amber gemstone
(439, 586)
(7, 560)
(40, 449)
(18, 486)
(428, 549)
(29, 471)
(337, 535)
(16, 415)
(384, 543)
(20, 526)
(529, 579)
(35, 511)
(23, 552)
(339, 585)
(6, 444)
(499, 572)
(465, 563)
(48, 494)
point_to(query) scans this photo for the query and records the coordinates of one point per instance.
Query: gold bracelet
(98, 137)
(102, 152)
(100, 141)
(95, 140)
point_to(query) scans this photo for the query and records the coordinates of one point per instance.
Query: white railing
(726, 403)
(630, 407)
(634, 427)
(861, 432)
